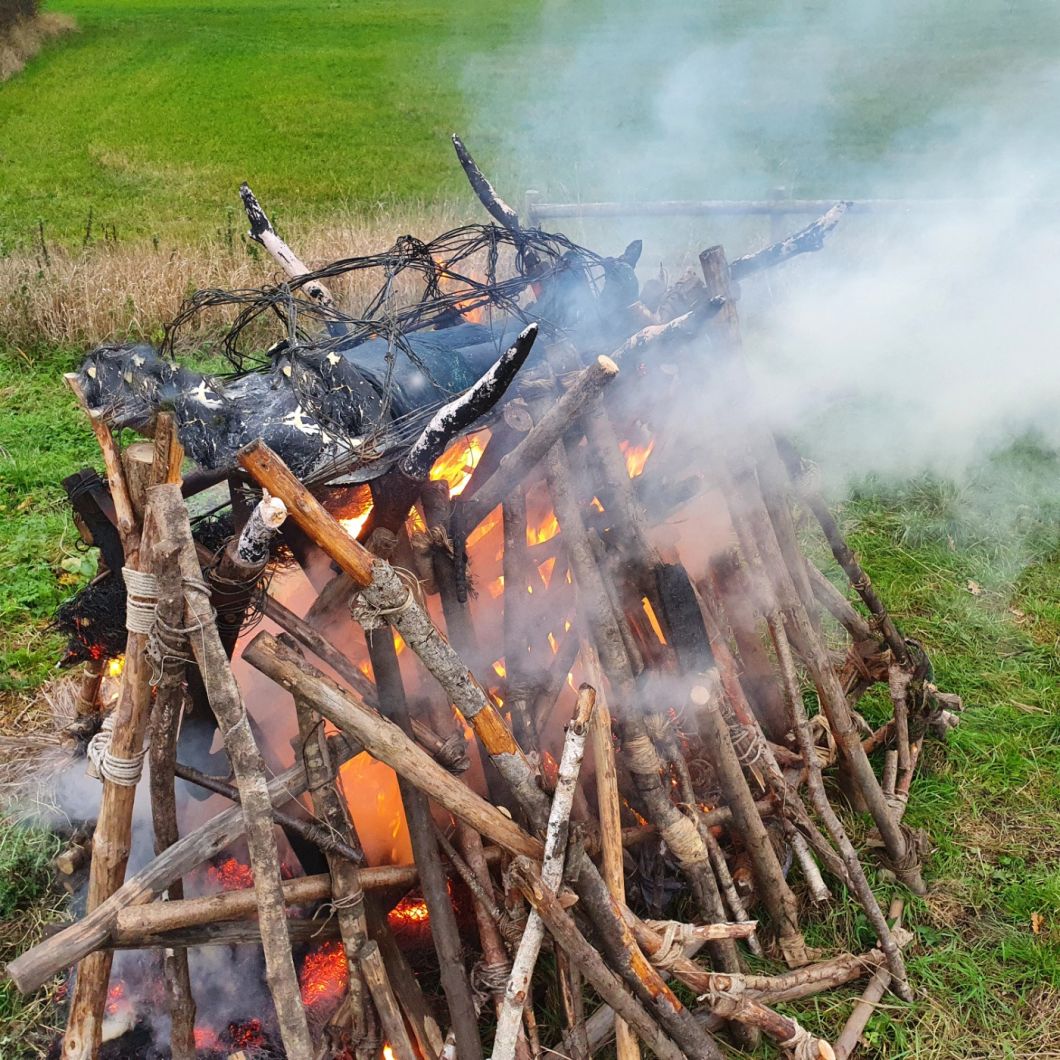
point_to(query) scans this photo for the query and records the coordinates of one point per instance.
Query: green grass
(43, 438)
(150, 116)
(987, 607)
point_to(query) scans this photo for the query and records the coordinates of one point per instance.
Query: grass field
(147, 118)
(151, 114)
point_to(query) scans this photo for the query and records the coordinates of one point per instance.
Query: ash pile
(514, 528)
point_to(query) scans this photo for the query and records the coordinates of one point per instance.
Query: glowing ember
(231, 875)
(324, 974)
(115, 996)
(499, 667)
(115, 666)
(246, 1035)
(636, 456)
(408, 911)
(457, 463)
(206, 1040)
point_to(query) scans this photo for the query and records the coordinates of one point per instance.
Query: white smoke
(914, 342)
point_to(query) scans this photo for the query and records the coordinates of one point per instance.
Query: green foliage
(25, 854)
(43, 438)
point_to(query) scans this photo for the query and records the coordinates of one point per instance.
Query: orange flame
(471, 309)
(636, 456)
(650, 612)
(388, 1053)
(115, 666)
(325, 974)
(115, 996)
(457, 463)
(547, 530)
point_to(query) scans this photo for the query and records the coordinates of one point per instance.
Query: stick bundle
(721, 704)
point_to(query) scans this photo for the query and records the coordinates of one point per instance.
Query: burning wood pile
(643, 600)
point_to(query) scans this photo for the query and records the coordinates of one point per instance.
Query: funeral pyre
(512, 511)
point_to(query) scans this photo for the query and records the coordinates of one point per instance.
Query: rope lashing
(675, 937)
(103, 765)
(372, 616)
(141, 599)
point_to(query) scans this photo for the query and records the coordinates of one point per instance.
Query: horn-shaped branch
(461, 412)
(804, 241)
(498, 209)
(261, 231)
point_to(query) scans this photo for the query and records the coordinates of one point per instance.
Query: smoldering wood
(320, 837)
(348, 895)
(517, 464)
(37, 965)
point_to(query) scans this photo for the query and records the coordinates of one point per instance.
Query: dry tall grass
(20, 41)
(110, 291)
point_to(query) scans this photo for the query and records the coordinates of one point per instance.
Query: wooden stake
(610, 811)
(385, 1003)
(510, 1018)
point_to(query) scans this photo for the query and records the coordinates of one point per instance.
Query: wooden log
(498, 209)
(168, 452)
(806, 240)
(769, 877)
(604, 981)
(609, 809)
(385, 1003)
(165, 727)
(510, 1018)
(30, 970)
(226, 701)
(516, 465)
(137, 462)
(347, 894)
(850, 1036)
(262, 232)
(831, 820)
(445, 934)
(120, 772)
(385, 741)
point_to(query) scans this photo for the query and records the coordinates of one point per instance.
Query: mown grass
(144, 122)
(984, 598)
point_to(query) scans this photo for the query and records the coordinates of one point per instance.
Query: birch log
(510, 1018)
